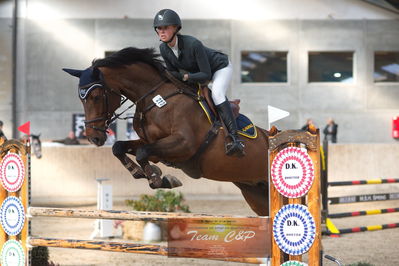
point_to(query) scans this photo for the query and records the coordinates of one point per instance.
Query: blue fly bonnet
(89, 79)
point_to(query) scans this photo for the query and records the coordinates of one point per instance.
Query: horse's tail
(264, 133)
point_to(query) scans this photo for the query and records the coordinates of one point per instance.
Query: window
(330, 66)
(259, 66)
(386, 66)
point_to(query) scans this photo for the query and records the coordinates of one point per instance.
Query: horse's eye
(97, 98)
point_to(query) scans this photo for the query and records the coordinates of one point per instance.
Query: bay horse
(171, 125)
(36, 144)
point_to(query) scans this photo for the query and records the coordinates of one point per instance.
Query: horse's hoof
(156, 170)
(151, 170)
(169, 181)
(153, 174)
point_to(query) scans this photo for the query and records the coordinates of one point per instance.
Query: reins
(111, 117)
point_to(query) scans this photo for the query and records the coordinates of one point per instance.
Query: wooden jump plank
(126, 247)
(120, 215)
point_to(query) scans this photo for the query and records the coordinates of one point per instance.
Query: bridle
(110, 116)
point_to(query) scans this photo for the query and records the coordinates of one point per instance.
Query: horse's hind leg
(120, 148)
(257, 196)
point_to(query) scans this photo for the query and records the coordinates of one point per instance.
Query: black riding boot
(236, 147)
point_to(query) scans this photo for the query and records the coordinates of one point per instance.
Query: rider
(189, 60)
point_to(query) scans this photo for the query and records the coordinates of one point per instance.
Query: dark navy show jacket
(199, 61)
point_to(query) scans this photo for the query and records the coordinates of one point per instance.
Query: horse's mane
(131, 55)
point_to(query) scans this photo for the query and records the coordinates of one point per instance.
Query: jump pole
(364, 182)
(368, 228)
(124, 247)
(119, 215)
(362, 213)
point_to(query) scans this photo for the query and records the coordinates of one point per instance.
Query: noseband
(110, 116)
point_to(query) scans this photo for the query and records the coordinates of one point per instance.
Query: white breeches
(220, 83)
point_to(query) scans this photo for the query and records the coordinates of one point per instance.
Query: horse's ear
(73, 72)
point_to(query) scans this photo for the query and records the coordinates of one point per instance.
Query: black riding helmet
(167, 17)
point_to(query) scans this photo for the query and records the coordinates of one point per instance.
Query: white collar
(175, 49)
(176, 44)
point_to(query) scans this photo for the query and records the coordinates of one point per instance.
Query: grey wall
(47, 96)
(363, 109)
(6, 74)
(77, 167)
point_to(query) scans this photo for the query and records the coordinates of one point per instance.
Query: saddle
(206, 93)
(245, 127)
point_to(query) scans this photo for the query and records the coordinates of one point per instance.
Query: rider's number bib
(159, 101)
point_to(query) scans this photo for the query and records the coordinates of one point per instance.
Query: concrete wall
(207, 9)
(66, 174)
(55, 34)
(6, 75)
(362, 109)
(347, 162)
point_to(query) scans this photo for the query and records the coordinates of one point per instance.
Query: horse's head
(99, 102)
(37, 146)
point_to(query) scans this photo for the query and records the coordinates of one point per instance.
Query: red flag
(25, 128)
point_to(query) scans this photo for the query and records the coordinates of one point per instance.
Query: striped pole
(364, 182)
(368, 228)
(361, 213)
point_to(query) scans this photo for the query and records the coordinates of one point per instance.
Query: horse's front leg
(121, 148)
(171, 148)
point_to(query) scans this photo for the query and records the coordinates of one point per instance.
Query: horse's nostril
(96, 141)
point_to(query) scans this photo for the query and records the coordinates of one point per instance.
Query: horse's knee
(142, 153)
(119, 148)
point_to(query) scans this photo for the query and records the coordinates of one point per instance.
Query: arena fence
(331, 228)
